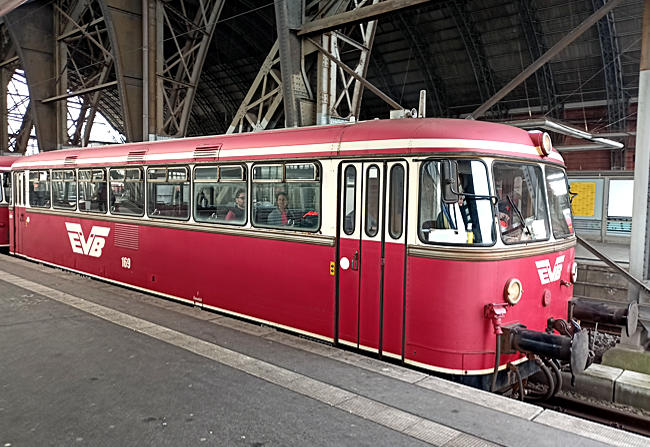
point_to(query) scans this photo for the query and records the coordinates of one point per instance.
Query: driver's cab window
(521, 204)
(464, 219)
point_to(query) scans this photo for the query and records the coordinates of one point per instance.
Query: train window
(372, 201)
(220, 194)
(349, 200)
(64, 189)
(521, 202)
(467, 221)
(127, 191)
(6, 187)
(168, 193)
(279, 202)
(93, 197)
(557, 190)
(271, 173)
(39, 189)
(231, 173)
(396, 208)
(301, 171)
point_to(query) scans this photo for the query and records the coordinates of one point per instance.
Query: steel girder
(84, 67)
(617, 100)
(32, 30)
(534, 38)
(263, 98)
(297, 96)
(483, 74)
(124, 24)
(432, 82)
(339, 92)
(187, 32)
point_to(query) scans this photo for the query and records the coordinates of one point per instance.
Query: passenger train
(443, 244)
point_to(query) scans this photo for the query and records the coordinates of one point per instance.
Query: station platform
(88, 363)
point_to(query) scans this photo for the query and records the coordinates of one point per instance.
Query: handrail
(610, 262)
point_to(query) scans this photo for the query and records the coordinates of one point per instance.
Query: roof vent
(70, 160)
(135, 156)
(207, 152)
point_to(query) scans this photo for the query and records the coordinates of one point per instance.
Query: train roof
(378, 138)
(7, 160)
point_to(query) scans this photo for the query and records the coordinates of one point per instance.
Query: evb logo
(90, 247)
(546, 273)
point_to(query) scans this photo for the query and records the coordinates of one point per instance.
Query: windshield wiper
(523, 221)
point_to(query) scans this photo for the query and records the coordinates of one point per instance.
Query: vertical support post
(160, 56)
(60, 64)
(604, 210)
(4, 121)
(152, 82)
(323, 97)
(289, 17)
(639, 252)
(145, 70)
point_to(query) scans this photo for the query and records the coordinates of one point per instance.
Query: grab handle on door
(355, 260)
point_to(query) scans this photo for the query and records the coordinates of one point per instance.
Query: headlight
(513, 290)
(574, 272)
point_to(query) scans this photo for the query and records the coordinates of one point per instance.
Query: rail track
(599, 412)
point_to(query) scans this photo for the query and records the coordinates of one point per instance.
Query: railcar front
(5, 198)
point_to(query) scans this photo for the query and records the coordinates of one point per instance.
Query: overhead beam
(552, 52)
(359, 15)
(83, 91)
(361, 79)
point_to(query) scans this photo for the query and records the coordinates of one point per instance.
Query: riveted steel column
(31, 27)
(149, 54)
(289, 18)
(124, 23)
(5, 77)
(639, 250)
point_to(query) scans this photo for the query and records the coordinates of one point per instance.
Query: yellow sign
(332, 268)
(584, 203)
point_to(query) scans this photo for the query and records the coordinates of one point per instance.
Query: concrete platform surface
(88, 363)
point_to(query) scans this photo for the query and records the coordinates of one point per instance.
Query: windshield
(558, 201)
(521, 205)
(469, 219)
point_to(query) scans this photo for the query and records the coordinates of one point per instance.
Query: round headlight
(574, 272)
(542, 142)
(512, 291)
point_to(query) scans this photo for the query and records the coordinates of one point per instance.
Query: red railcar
(5, 197)
(415, 239)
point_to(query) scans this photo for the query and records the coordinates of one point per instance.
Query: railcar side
(374, 249)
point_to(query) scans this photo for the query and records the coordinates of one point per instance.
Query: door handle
(355, 260)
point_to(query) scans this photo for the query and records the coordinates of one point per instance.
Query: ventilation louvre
(207, 152)
(135, 156)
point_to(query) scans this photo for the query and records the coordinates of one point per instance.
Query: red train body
(366, 254)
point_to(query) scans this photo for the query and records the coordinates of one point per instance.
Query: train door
(371, 256)
(18, 225)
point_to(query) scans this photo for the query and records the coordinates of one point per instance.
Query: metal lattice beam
(617, 99)
(420, 46)
(534, 38)
(263, 98)
(483, 74)
(190, 28)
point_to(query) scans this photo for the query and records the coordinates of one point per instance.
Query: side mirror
(449, 181)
